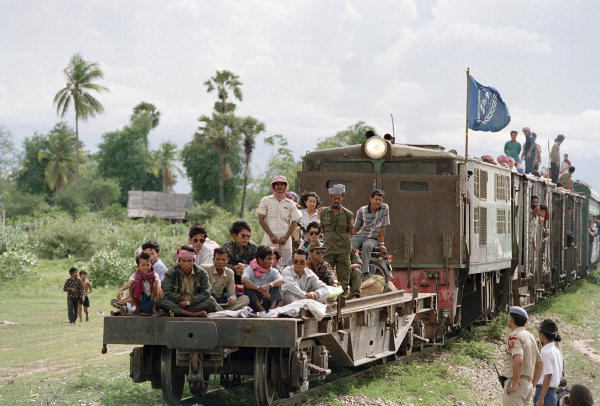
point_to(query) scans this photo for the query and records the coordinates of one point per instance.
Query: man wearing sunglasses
(197, 237)
(299, 282)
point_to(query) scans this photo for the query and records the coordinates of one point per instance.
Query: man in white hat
(278, 216)
(522, 361)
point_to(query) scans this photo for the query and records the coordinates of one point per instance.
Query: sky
(312, 68)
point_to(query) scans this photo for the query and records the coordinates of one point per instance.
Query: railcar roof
(398, 150)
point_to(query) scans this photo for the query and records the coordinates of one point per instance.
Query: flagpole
(467, 122)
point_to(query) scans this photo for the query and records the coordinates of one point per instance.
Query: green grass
(45, 361)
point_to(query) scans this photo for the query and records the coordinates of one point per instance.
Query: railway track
(299, 398)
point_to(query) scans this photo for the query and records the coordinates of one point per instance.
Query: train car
(591, 214)
(451, 234)
(463, 244)
(282, 354)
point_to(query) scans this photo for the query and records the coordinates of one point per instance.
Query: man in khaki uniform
(222, 280)
(337, 222)
(522, 361)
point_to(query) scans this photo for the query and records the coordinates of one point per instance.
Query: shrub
(108, 268)
(13, 238)
(70, 200)
(16, 265)
(476, 349)
(202, 212)
(115, 212)
(63, 237)
(99, 193)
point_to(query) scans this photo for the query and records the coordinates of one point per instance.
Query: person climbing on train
(187, 288)
(555, 158)
(300, 282)
(552, 361)
(522, 361)
(262, 282)
(338, 227)
(565, 179)
(278, 216)
(370, 224)
(512, 148)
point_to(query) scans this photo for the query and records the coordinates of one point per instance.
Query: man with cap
(552, 360)
(522, 361)
(338, 226)
(278, 216)
(319, 266)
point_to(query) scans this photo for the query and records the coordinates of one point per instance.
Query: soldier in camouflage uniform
(337, 222)
(522, 361)
(320, 267)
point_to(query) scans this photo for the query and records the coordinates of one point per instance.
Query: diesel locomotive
(463, 245)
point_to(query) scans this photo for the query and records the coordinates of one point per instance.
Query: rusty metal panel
(425, 209)
(255, 332)
(358, 186)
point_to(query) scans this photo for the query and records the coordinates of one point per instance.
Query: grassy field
(46, 361)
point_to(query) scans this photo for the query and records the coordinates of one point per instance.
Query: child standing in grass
(75, 294)
(87, 287)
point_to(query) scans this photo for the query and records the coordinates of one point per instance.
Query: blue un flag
(487, 111)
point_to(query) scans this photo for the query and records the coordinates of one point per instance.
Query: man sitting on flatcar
(319, 266)
(370, 224)
(187, 288)
(223, 282)
(262, 282)
(302, 283)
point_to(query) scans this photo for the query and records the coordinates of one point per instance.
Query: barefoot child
(146, 285)
(87, 288)
(75, 293)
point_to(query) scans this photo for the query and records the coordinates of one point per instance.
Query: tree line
(55, 170)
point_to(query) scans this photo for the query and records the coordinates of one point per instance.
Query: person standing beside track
(552, 360)
(338, 226)
(522, 361)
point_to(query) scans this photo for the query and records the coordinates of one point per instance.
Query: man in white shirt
(278, 216)
(198, 238)
(299, 282)
(552, 360)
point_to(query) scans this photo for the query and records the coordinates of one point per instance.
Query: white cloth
(307, 283)
(552, 359)
(293, 309)
(307, 218)
(279, 214)
(205, 256)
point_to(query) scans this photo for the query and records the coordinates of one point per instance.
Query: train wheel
(264, 386)
(284, 387)
(171, 377)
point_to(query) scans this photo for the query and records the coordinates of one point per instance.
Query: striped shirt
(369, 224)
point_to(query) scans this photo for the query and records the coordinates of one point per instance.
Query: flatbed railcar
(463, 246)
(283, 354)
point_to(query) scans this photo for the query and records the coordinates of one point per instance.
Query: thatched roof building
(167, 206)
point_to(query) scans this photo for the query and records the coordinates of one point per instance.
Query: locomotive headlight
(375, 147)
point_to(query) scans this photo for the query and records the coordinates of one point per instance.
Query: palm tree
(146, 109)
(80, 81)
(250, 128)
(164, 164)
(224, 82)
(61, 154)
(223, 131)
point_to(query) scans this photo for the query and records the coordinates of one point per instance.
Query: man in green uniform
(337, 222)
(522, 361)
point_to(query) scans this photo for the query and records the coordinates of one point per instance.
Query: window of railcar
(347, 166)
(501, 187)
(476, 220)
(431, 167)
(480, 182)
(501, 222)
(482, 226)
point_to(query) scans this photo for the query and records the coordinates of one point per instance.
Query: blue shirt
(268, 277)
(160, 268)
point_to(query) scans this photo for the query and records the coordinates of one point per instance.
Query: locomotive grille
(482, 226)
